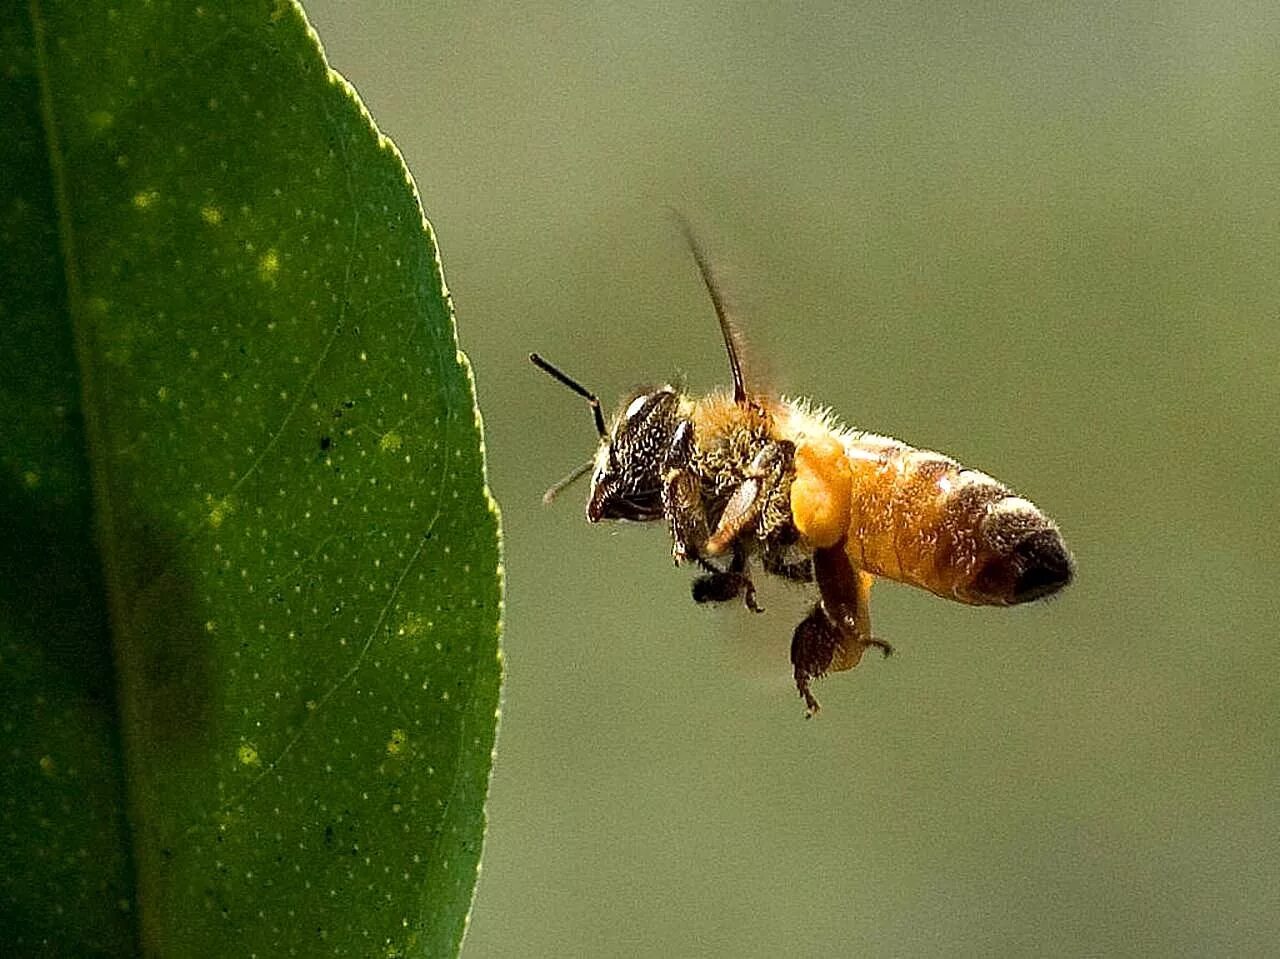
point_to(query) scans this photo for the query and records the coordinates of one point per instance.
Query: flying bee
(743, 477)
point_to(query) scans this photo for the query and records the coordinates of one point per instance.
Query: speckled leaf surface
(250, 597)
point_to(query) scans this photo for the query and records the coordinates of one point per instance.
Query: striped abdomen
(919, 517)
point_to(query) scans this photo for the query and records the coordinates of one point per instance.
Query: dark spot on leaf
(165, 635)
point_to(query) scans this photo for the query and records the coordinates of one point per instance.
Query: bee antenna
(578, 388)
(717, 300)
(576, 474)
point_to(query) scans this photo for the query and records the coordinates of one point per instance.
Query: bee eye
(636, 406)
(645, 406)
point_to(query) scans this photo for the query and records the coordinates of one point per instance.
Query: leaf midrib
(90, 413)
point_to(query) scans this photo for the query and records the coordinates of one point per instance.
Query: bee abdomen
(920, 517)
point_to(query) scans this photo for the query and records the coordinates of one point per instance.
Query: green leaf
(251, 587)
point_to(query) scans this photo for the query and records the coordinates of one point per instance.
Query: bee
(743, 477)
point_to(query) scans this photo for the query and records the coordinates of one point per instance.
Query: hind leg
(835, 634)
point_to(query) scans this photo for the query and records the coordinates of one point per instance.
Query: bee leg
(799, 571)
(835, 634)
(723, 585)
(682, 498)
(886, 649)
(813, 649)
(682, 502)
(743, 508)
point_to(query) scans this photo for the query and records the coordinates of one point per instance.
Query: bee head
(626, 473)
(626, 482)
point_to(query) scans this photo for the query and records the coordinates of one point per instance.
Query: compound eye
(643, 407)
(636, 406)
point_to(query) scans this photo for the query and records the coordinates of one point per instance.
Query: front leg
(682, 497)
(685, 508)
(723, 585)
(684, 502)
(761, 477)
(835, 634)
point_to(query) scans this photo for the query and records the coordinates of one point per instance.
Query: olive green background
(1044, 240)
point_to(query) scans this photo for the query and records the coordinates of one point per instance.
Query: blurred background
(1042, 238)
